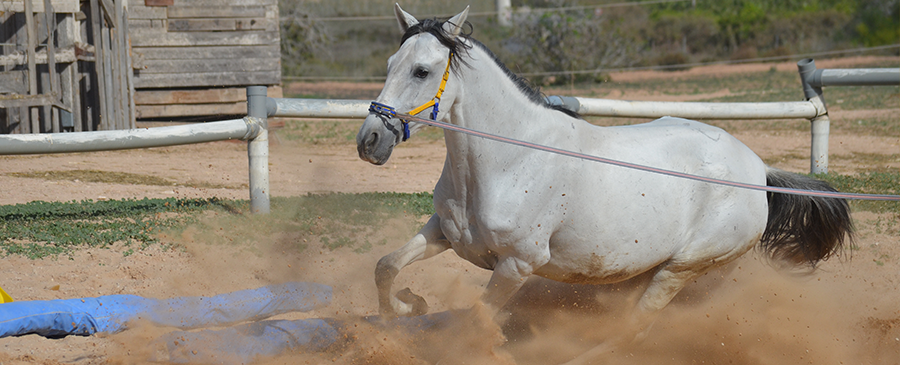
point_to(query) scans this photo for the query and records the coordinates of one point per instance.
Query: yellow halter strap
(435, 102)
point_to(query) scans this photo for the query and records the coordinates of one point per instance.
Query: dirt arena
(845, 312)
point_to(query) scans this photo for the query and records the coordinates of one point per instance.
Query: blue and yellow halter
(434, 103)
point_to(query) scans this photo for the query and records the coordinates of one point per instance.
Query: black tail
(803, 229)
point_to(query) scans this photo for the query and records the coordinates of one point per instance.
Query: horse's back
(687, 146)
(629, 220)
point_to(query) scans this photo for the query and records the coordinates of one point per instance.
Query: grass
(320, 221)
(114, 177)
(875, 182)
(332, 132)
(331, 221)
(41, 229)
(95, 176)
(319, 131)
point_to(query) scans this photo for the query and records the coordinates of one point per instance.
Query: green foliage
(587, 39)
(39, 229)
(557, 41)
(878, 22)
(303, 39)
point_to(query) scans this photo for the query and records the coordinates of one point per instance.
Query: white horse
(520, 212)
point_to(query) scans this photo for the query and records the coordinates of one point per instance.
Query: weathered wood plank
(202, 96)
(144, 12)
(159, 2)
(147, 23)
(203, 25)
(59, 6)
(63, 55)
(181, 3)
(109, 11)
(179, 110)
(210, 65)
(13, 82)
(11, 101)
(212, 52)
(176, 12)
(206, 79)
(150, 37)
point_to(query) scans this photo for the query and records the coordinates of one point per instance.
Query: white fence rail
(24, 144)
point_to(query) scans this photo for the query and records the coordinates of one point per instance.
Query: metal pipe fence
(254, 127)
(813, 108)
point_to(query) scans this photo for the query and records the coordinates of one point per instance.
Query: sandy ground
(846, 312)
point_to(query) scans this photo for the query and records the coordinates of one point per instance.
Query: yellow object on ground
(5, 298)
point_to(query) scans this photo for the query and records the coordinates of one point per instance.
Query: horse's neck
(489, 101)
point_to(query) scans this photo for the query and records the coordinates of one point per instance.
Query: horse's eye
(421, 73)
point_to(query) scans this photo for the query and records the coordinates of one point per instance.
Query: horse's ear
(454, 26)
(404, 18)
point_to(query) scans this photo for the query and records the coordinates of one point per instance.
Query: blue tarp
(236, 344)
(86, 316)
(241, 344)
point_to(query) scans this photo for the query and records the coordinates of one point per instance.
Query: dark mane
(460, 48)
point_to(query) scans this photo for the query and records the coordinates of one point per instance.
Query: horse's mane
(459, 47)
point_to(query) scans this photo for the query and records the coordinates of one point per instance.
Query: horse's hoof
(419, 306)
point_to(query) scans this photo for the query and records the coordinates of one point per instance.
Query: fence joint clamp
(819, 104)
(254, 127)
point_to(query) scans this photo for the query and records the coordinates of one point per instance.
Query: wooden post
(120, 65)
(129, 71)
(32, 67)
(100, 86)
(68, 76)
(50, 23)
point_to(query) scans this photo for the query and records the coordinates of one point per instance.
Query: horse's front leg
(428, 242)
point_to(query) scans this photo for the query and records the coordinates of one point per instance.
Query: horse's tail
(804, 229)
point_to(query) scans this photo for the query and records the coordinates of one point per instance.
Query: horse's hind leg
(428, 242)
(665, 284)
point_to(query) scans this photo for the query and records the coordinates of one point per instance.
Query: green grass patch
(40, 229)
(876, 182)
(95, 176)
(885, 125)
(339, 132)
(332, 221)
(320, 131)
(114, 177)
(323, 221)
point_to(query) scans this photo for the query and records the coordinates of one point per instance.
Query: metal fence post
(820, 125)
(258, 151)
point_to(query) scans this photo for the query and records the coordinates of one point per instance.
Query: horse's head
(416, 77)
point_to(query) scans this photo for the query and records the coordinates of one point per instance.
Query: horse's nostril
(371, 140)
(367, 145)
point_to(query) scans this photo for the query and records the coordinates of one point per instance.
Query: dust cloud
(747, 312)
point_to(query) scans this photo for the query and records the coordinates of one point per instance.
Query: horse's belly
(594, 268)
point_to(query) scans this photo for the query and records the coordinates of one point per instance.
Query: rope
(774, 189)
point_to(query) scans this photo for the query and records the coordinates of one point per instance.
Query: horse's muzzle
(375, 142)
